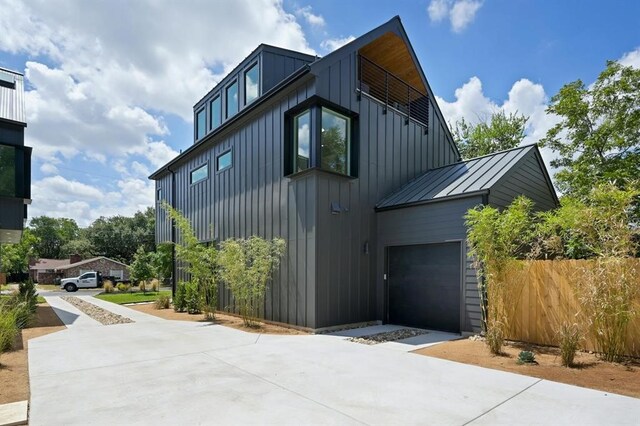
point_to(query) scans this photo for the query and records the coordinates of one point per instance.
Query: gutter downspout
(173, 233)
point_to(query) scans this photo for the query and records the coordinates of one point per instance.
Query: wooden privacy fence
(542, 297)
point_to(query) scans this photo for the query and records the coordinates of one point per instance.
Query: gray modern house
(15, 158)
(349, 159)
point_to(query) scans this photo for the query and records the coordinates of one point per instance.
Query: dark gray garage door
(424, 286)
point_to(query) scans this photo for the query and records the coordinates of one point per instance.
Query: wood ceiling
(391, 53)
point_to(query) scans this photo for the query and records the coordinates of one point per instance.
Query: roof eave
(432, 200)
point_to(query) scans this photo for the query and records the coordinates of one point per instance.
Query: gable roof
(394, 25)
(84, 262)
(49, 264)
(464, 179)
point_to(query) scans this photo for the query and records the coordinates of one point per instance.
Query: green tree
(198, 260)
(119, 237)
(142, 267)
(52, 234)
(500, 132)
(163, 261)
(598, 137)
(14, 258)
(246, 266)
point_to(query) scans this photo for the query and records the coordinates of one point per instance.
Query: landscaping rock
(388, 336)
(103, 316)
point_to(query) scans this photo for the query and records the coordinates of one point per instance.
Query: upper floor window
(232, 100)
(159, 194)
(335, 142)
(200, 173)
(7, 171)
(201, 124)
(216, 112)
(301, 141)
(321, 137)
(251, 79)
(224, 161)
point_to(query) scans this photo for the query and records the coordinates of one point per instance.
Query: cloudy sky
(111, 84)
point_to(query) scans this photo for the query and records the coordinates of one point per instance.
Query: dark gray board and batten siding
(253, 198)
(436, 222)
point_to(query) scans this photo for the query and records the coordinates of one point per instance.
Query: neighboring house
(15, 158)
(46, 271)
(349, 159)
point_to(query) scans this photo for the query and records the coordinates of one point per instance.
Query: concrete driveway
(156, 372)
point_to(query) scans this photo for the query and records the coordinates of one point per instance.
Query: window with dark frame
(201, 124)
(302, 141)
(323, 137)
(232, 99)
(159, 194)
(251, 83)
(224, 161)
(199, 174)
(215, 108)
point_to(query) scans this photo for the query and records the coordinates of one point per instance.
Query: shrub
(495, 339)
(8, 329)
(193, 299)
(22, 315)
(122, 287)
(27, 293)
(526, 357)
(163, 302)
(569, 337)
(142, 286)
(108, 286)
(246, 266)
(179, 300)
(155, 286)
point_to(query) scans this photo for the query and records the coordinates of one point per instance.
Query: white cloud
(631, 59)
(460, 12)
(311, 18)
(438, 10)
(335, 43)
(48, 168)
(525, 97)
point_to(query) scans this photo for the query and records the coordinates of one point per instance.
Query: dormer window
(216, 112)
(251, 83)
(201, 124)
(232, 99)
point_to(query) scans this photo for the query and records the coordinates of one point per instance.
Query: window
(116, 273)
(7, 171)
(216, 112)
(301, 141)
(201, 125)
(232, 100)
(86, 275)
(159, 194)
(322, 136)
(335, 142)
(200, 173)
(251, 87)
(224, 161)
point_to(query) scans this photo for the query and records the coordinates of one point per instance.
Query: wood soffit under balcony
(390, 52)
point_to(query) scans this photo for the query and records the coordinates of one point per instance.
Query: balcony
(393, 92)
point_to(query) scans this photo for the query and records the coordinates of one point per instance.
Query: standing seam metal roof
(466, 177)
(12, 98)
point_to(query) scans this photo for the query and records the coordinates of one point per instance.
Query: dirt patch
(14, 365)
(590, 371)
(222, 319)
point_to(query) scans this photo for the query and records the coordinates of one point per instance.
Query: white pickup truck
(86, 280)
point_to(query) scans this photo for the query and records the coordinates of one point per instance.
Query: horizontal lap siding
(391, 153)
(431, 223)
(253, 198)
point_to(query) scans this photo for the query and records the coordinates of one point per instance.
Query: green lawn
(122, 298)
(39, 299)
(53, 287)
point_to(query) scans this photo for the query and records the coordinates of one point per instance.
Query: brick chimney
(75, 258)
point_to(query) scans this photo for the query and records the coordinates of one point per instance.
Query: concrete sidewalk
(169, 372)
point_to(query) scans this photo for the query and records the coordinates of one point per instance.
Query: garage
(424, 282)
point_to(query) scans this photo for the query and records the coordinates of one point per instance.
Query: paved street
(167, 372)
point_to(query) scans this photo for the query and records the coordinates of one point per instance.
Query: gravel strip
(103, 316)
(388, 336)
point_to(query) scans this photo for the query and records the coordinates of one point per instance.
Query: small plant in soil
(494, 338)
(526, 357)
(569, 337)
(163, 302)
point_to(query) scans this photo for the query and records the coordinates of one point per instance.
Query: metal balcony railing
(394, 92)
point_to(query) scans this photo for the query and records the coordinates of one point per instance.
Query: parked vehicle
(87, 280)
